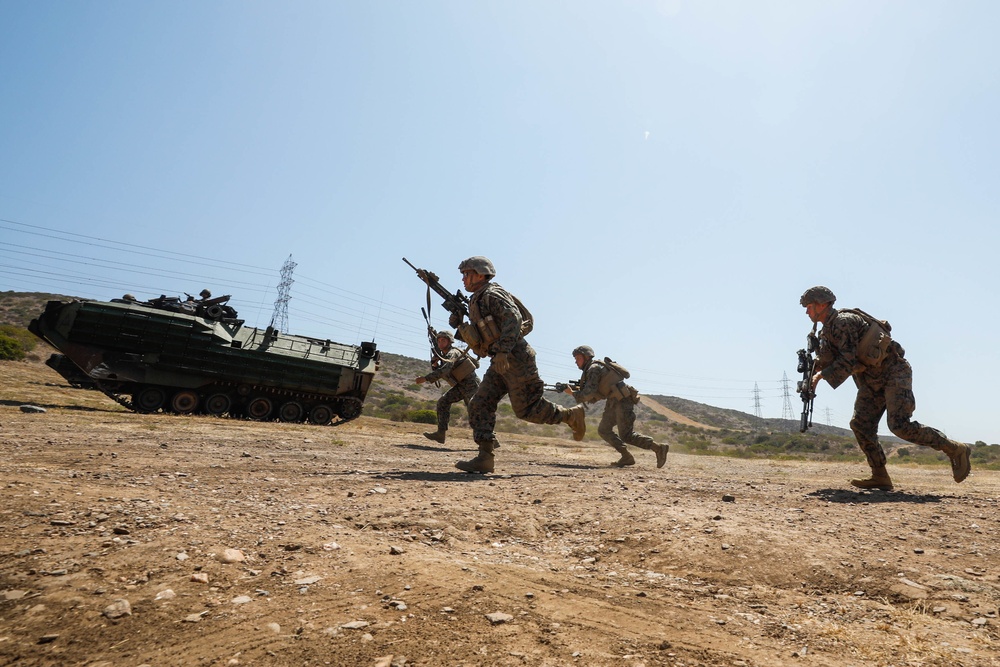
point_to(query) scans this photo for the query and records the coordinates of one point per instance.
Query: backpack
(612, 383)
(874, 344)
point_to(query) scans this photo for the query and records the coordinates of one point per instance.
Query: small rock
(200, 577)
(497, 617)
(396, 551)
(194, 618)
(232, 556)
(355, 625)
(331, 546)
(242, 599)
(182, 557)
(728, 498)
(118, 609)
(165, 594)
(307, 581)
(274, 627)
(32, 409)
(47, 639)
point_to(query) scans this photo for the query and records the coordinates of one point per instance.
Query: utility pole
(786, 408)
(756, 401)
(279, 320)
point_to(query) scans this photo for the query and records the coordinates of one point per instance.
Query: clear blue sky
(658, 179)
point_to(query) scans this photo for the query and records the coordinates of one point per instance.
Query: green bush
(11, 349)
(15, 342)
(422, 416)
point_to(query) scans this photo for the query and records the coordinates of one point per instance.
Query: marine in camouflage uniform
(446, 357)
(884, 387)
(512, 371)
(619, 409)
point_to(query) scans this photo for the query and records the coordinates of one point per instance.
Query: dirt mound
(130, 539)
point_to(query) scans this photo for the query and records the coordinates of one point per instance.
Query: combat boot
(959, 454)
(661, 454)
(482, 463)
(878, 480)
(436, 436)
(577, 420)
(626, 460)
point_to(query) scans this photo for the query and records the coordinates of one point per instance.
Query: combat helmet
(585, 350)
(817, 294)
(445, 334)
(205, 294)
(481, 265)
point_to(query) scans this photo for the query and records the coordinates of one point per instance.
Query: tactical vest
(481, 332)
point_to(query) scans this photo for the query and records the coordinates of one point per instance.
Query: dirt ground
(156, 540)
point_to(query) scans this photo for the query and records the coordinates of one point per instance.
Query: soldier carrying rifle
(852, 343)
(458, 369)
(498, 323)
(606, 380)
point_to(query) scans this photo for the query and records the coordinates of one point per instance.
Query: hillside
(18, 308)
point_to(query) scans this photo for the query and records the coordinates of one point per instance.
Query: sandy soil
(155, 540)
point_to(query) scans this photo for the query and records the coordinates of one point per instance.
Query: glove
(454, 320)
(501, 362)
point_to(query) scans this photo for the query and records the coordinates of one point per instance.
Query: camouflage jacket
(491, 299)
(838, 345)
(451, 357)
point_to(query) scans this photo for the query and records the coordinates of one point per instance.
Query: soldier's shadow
(448, 476)
(847, 496)
(432, 448)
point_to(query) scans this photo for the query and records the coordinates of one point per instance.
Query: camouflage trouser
(463, 391)
(621, 414)
(892, 391)
(522, 384)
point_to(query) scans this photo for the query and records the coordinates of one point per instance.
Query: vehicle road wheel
(259, 409)
(184, 402)
(218, 404)
(350, 408)
(291, 411)
(148, 399)
(321, 415)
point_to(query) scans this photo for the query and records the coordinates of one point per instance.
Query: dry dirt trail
(130, 540)
(671, 415)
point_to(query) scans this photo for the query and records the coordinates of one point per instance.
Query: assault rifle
(432, 335)
(562, 386)
(807, 367)
(456, 303)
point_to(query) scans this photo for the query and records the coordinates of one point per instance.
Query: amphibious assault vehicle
(197, 356)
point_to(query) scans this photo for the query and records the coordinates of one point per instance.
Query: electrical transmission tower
(829, 419)
(786, 408)
(756, 401)
(279, 320)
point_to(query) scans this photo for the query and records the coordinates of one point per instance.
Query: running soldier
(605, 380)
(854, 344)
(497, 327)
(456, 368)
